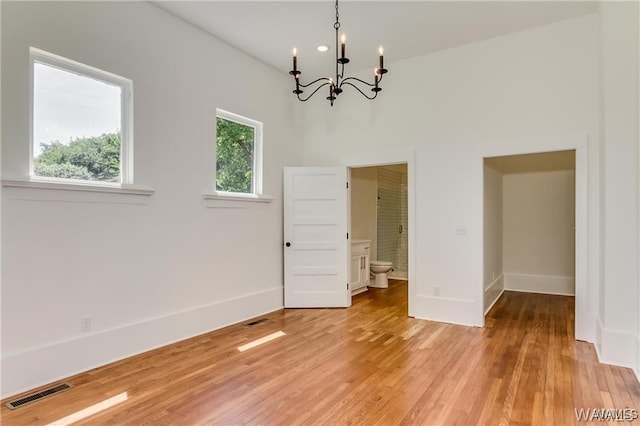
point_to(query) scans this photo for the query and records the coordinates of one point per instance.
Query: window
(238, 154)
(81, 126)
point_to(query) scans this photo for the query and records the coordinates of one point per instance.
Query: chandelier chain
(335, 86)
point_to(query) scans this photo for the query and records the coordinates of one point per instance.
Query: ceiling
(268, 30)
(540, 162)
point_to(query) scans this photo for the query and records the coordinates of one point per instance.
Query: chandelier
(335, 85)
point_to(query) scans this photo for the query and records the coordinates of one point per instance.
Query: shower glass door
(392, 220)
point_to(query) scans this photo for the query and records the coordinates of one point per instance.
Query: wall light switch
(461, 230)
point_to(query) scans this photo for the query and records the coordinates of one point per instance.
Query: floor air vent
(256, 322)
(38, 396)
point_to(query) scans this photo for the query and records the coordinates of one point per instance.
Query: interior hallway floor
(369, 365)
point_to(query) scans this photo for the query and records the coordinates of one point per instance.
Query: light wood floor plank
(366, 365)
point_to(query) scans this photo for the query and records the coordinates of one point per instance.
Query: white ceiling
(540, 162)
(268, 30)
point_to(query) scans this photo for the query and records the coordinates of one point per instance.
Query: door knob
(288, 244)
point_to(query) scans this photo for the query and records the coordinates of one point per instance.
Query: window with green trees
(81, 121)
(238, 143)
(94, 158)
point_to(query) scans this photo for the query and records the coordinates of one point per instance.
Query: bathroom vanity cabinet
(360, 257)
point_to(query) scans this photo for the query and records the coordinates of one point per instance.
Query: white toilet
(380, 269)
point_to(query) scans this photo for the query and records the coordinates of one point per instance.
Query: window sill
(232, 200)
(125, 189)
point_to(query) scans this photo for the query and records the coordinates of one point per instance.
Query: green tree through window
(94, 158)
(235, 149)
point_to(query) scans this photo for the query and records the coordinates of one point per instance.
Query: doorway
(379, 219)
(316, 233)
(529, 225)
(404, 163)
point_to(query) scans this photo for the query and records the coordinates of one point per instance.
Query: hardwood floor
(369, 365)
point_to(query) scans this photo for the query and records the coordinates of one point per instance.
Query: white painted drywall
(364, 193)
(150, 270)
(619, 326)
(448, 107)
(493, 279)
(539, 231)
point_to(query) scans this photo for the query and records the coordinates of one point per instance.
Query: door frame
(584, 296)
(374, 159)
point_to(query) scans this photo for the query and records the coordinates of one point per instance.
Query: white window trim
(126, 130)
(257, 179)
(78, 185)
(234, 196)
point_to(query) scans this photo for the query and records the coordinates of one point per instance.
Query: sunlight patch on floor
(261, 341)
(90, 411)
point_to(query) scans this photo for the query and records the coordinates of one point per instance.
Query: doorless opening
(584, 322)
(529, 225)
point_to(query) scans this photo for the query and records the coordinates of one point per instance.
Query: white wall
(539, 234)
(449, 107)
(493, 279)
(618, 324)
(148, 270)
(364, 193)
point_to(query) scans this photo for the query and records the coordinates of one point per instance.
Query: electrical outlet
(85, 324)
(436, 290)
(461, 230)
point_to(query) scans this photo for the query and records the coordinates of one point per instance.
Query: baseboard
(618, 348)
(359, 290)
(545, 284)
(399, 275)
(493, 292)
(494, 302)
(27, 370)
(446, 309)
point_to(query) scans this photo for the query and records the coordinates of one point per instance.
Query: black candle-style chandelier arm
(356, 79)
(361, 92)
(328, 81)
(335, 86)
(314, 92)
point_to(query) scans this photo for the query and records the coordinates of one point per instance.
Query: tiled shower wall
(392, 218)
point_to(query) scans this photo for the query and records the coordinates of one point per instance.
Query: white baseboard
(494, 302)
(493, 292)
(399, 275)
(546, 284)
(618, 348)
(33, 368)
(359, 290)
(446, 309)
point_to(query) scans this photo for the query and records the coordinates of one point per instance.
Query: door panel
(315, 227)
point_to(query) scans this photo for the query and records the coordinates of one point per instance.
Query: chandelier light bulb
(341, 81)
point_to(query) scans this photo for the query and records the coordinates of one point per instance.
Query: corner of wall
(617, 347)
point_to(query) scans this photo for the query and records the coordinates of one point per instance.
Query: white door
(315, 236)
